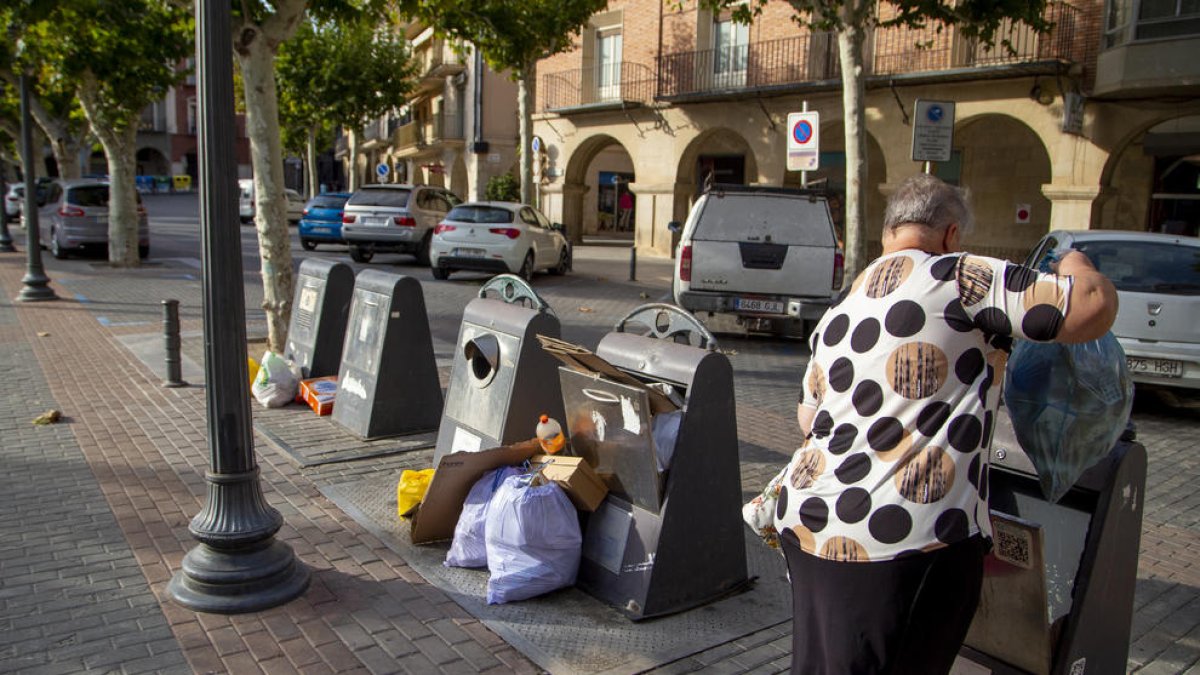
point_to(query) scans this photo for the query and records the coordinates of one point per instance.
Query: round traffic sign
(536, 144)
(935, 113)
(382, 169)
(802, 132)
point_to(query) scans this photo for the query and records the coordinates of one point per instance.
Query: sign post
(803, 142)
(933, 132)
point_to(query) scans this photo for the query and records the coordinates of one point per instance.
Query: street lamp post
(35, 286)
(238, 566)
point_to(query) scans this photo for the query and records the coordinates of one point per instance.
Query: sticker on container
(600, 424)
(629, 418)
(465, 441)
(308, 299)
(364, 328)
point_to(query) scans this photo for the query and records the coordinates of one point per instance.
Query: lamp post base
(238, 581)
(36, 290)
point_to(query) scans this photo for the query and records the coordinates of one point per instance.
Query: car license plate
(1155, 367)
(321, 230)
(375, 222)
(759, 305)
(469, 252)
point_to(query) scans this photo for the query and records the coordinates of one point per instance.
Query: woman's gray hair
(927, 200)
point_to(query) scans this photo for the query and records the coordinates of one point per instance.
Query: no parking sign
(803, 142)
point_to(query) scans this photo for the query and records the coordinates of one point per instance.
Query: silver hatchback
(75, 217)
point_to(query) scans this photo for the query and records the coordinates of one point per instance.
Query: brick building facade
(1086, 126)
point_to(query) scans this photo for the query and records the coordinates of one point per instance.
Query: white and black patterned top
(904, 381)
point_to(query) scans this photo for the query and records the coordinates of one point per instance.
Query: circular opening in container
(483, 356)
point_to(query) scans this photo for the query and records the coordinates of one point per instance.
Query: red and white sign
(1023, 213)
(804, 141)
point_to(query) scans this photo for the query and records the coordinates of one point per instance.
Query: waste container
(319, 309)
(502, 379)
(388, 381)
(1059, 584)
(667, 538)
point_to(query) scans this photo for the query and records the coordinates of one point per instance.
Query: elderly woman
(882, 512)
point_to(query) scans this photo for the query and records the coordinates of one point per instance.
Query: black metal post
(6, 240)
(171, 345)
(35, 284)
(238, 565)
(633, 263)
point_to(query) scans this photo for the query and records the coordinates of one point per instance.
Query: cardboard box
(576, 477)
(456, 473)
(319, 393)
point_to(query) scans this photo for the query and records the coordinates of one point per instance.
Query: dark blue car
(322, 220)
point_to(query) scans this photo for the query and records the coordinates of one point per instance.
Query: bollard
(633, 263)
(171, 342)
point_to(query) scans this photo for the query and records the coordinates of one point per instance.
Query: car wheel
(564, 263)
(308, 244)
(143, 251)
(440, 273)
(361, 254)
(527, 267)
(56, 248)
(423, 249)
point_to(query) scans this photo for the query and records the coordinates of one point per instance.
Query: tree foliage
(503, 188)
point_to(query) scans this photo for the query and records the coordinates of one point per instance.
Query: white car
(1158, 284)
(295, 202)
(498, 237)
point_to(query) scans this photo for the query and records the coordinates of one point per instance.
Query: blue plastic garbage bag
(1068, 403)
(533, 541)
(469, 549)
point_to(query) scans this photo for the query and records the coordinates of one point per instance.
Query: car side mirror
(675, 226)
(558, 227)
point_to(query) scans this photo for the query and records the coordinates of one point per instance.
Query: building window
(191, 115)
(608, 63)
(1129, 20)
(731, 47)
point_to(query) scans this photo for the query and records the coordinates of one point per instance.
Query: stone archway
(151, 162)
(1005, 164)
(721, 153)
(1150, 179)
(588, 199)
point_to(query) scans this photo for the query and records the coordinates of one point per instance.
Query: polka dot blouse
(904, 381)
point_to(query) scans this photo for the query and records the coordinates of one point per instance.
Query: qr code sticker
(1013, 544)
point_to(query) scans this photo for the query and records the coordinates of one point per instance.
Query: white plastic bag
(277, 381)
(533, 540)
(469, 548)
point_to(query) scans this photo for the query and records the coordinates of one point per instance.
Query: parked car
(75, 217)
(321, 221)
(14, 199)
(246, 202)
(394, 218)
(1158, 284)
(769, 256)
(498, 237)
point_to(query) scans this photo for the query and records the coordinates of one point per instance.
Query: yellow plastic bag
(411, 490)
(252, 365)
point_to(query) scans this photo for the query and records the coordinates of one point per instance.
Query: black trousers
(896, 617)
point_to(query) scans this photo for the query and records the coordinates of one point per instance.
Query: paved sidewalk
(94, 510)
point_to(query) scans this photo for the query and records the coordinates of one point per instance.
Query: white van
(769, 256)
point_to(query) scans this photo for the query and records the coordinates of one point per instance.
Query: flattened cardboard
(576, 477)
(438, 514)
(579, 358)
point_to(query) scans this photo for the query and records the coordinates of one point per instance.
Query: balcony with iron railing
(890, 51)
(446, 127)
(410, 136)
(438, 62)
(601, 86)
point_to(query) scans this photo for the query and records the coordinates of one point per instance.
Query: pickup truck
(769, 256)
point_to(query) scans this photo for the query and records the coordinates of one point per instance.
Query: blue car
(322, 220)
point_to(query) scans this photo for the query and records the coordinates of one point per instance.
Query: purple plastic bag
(469, 549)
(533, 541)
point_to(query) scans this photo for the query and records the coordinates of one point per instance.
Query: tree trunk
(257, 61)
(311, 168)
(66, 154)
(525, 114)
(850, 50)
(120, 149)
(352, 150)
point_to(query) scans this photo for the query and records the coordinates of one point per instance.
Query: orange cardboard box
(319, 393)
